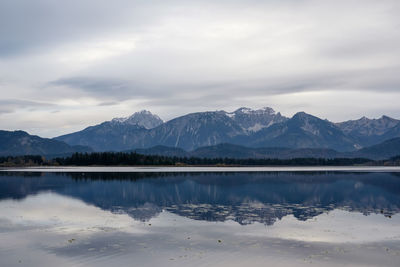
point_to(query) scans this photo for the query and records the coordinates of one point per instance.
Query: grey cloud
(40, 24)
(110, 103)
(222, 92)
(9, 48)
(4, 110)
(107, 88)
(208, 100)
(111, 91)
(363, 48)
(383, 80)
(93, 85)
(373, 79)
(32, 26)
(11, 105)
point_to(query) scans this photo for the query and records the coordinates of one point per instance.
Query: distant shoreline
(203, 169)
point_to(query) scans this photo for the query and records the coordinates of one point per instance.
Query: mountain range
(244, 127)
(241, 133)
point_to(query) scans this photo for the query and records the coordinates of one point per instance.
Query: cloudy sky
(65, 65)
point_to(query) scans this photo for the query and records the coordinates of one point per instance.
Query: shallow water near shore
(92, 217)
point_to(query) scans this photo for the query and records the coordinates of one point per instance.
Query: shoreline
(184, 169)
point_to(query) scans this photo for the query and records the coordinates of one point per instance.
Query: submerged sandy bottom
(50, 229)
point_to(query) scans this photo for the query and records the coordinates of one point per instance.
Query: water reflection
(241, 197)
(212, 219)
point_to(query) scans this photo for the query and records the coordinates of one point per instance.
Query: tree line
(28, 160)
(134, 159)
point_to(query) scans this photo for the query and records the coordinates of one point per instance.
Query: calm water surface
(319, 218)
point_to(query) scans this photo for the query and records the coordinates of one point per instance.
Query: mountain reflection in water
(242, 197)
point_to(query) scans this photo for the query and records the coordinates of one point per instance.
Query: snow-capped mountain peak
(254, 120)
(243, 110)
(268, 110)
(249, 111)
(142, 118)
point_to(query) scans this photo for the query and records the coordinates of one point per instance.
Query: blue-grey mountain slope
(241, 152)
(13, 143)
(392, 133)
(115, 135)
(385, 150)
(195, 130)
(368, 132)
(303, 131)
(236, 151)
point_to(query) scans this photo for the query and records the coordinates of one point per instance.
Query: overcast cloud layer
(65, 65)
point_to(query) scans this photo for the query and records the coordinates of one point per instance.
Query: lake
(332, 216)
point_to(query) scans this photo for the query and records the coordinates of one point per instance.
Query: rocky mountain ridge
(142, 118)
